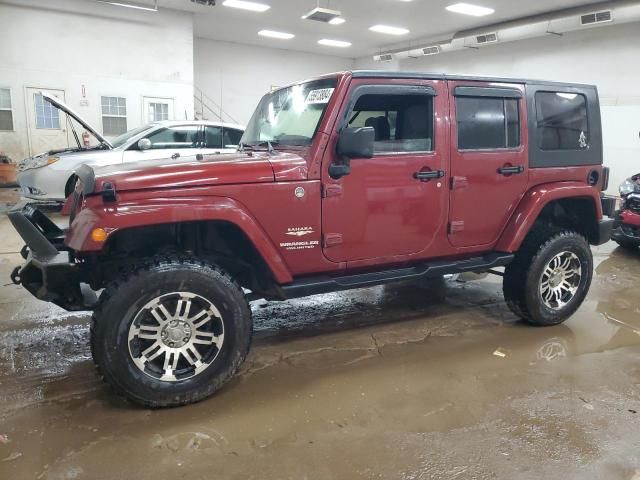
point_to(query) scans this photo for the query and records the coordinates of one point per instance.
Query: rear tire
(171, 332)
(549, 277)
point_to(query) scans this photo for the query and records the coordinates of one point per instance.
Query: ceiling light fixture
(334, 43)
(136, 6)
(247, 5)
(389, 30)
(275, 34)
(337, 21)
(468, 9)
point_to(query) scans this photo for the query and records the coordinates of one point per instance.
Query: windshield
(125, 137)
(290, 116)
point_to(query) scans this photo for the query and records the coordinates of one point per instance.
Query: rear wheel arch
(579, 214)
(571, 206)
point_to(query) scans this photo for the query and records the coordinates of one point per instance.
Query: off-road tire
(121, 301)
(522, 277)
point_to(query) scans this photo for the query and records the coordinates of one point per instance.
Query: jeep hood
(221, 169)
(60, 105)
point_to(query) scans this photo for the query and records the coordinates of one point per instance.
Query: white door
(47, 126)
(170, 143)
(157, 109)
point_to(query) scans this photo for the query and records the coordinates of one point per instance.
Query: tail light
(605, 178)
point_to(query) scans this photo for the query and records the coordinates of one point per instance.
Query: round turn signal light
(98, 235)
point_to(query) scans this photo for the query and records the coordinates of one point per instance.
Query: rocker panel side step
(325, 284)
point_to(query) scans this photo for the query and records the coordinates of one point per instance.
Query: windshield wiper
(269, 144)
(243, 146)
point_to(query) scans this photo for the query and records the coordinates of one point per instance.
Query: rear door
(393, 204)
(489, 171)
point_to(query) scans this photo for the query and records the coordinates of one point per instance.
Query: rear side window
(174, 137)
(402, 123)
(562, 121)
(232, 137)
(213, 137)
(487, 123)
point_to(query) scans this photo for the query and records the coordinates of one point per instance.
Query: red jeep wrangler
(348, 180)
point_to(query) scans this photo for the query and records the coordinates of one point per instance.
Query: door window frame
(386, 89)
(487, 92)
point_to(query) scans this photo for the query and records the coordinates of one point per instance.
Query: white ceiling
(426, 19)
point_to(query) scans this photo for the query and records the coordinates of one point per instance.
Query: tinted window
(403, 123)
(174, 137)
(213, 137)
(562, 121)
(232, 137)
(486, 123)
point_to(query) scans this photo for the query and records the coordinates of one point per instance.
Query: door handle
(426, 175)
(511, 170)
(175, 155)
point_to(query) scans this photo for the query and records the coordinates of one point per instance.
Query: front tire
(549, 278)
(171, 332)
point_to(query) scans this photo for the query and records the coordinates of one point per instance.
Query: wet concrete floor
(399, 382)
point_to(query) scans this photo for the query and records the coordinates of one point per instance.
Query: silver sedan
(50, 176)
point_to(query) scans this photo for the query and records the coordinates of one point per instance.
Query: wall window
(562, 121)
(487, 123)
(402, 123)
(232, 137)
(6, 110)
(158, 111)
(183, 136)
(47, 116)
(114, 116)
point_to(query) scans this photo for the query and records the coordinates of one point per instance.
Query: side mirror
(356, 142)
(144, 144)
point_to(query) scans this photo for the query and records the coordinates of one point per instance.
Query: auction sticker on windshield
(320, 95)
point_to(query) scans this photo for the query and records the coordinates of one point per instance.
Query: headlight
(41, 162)
(38, 161)
(627, 187)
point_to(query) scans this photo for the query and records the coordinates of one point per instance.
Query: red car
(626, 231)
(344, 181)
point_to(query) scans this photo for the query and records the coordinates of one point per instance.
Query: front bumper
(50, 272)
(42, 183)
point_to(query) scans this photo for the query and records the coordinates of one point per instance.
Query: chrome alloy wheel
(560, 280)
(176, 336)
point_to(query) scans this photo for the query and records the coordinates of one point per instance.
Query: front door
(392, 205)
(489, 171)
(171, 143)
(47, 126)
(157, 109)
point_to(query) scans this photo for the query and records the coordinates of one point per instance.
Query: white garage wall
(236, 76)
(111, 51)
(608, 57)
